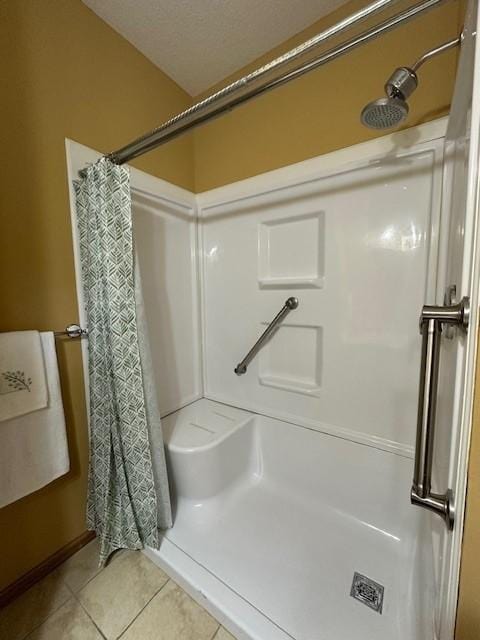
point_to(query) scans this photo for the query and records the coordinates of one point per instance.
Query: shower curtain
(128, 493)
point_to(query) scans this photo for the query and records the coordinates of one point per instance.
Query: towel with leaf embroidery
(23, 383)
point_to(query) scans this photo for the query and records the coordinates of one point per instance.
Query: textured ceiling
(200, 42)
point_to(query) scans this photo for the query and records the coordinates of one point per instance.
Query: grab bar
(431, 321)
(290, 303)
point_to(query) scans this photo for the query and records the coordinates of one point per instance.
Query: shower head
(384, 113)
(388, 112)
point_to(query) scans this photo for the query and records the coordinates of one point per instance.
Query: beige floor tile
(223, 634)
(81, 567)
(70, 622)
(33, 607)
(172, 615)
(118, 593)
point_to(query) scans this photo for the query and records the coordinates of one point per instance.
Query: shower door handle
(431, 321)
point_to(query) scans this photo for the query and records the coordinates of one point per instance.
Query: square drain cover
(367, 591)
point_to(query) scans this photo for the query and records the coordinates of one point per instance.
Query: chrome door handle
(431, 321)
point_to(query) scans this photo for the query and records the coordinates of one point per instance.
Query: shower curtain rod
(236, 93)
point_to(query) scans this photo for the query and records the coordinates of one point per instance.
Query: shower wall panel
(357, 245)
(165, 237)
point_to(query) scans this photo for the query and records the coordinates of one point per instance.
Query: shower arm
(403, 81)
(446, 46)
(241, 90)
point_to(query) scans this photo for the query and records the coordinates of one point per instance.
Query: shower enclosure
(291, 482)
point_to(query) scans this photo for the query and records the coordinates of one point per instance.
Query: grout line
(216, 632)
(99, 570)
(87, 582)
(76, 596)
(29, 633)
(144, 607)
(68, 587)
(61, 581)
(197, 603)
(37, 626)
(72, 595)
(89, 616)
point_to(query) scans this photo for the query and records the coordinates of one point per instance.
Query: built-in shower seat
(209, 447)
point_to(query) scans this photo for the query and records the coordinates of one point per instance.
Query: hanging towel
(23, 385)
(33, 447)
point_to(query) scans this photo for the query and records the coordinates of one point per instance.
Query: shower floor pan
(273, 520)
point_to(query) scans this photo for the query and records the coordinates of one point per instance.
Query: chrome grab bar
(290, 303)
(431, 321)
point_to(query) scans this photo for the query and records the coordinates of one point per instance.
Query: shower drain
(367, 591)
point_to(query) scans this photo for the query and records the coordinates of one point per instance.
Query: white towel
(33, 447)
(23, 384)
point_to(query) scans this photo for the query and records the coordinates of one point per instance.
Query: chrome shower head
(388, 112)
(391, 111)
(384, 113)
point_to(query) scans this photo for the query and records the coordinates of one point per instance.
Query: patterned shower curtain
(128, 488)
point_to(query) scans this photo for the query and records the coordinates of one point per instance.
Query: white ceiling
(200, 42)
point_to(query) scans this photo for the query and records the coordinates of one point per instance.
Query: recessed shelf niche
(292, 359)
(291, 252)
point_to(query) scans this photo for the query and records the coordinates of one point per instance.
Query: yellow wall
(64, 73)
(468, 615)
(320, 112)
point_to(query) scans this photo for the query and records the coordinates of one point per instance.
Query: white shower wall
(165, 234)
(356, 242)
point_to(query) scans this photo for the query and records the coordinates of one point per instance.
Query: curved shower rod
(241, 91)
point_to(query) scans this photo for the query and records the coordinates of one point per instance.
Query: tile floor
(131, 599)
